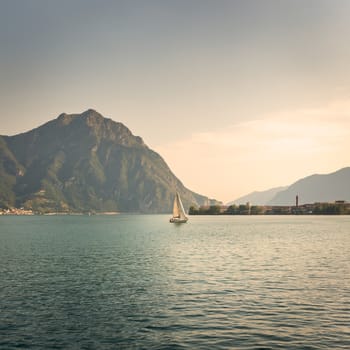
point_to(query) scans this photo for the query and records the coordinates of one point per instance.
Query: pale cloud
(274, 150)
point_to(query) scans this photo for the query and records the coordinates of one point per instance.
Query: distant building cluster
(339, 207)
(16, 211)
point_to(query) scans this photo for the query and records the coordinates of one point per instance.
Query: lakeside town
(339, 207)
(16, 211)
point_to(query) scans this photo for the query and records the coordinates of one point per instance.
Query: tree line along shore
(334, 208)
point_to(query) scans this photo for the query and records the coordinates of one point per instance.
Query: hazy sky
(237, 96)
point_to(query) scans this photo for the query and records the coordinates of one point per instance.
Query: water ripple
(136, 282)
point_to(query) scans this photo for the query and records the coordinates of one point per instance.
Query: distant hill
(311, 189)
(85, 162)
(316, 188)
(258, 197)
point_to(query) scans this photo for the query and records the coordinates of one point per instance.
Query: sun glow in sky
(236, 96)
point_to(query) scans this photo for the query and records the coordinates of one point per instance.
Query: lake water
(139, 282)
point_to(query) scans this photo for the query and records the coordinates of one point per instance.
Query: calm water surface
(138, 282)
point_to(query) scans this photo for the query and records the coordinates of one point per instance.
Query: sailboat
(179, 215)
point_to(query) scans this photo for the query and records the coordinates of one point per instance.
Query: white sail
(178, 210)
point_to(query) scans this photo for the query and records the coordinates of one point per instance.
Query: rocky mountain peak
(96, 125)
(85, 162)
(92, 116)
(64, 119)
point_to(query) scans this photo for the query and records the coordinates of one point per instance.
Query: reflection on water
(140, 282)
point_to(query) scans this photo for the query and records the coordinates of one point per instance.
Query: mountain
(258, 197)
(316, 188)
(85, 162)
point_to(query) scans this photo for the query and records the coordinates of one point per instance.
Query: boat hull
(178, 221)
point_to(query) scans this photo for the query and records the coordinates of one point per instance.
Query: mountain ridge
(258, 197)
(310, 189)
(316, 188)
